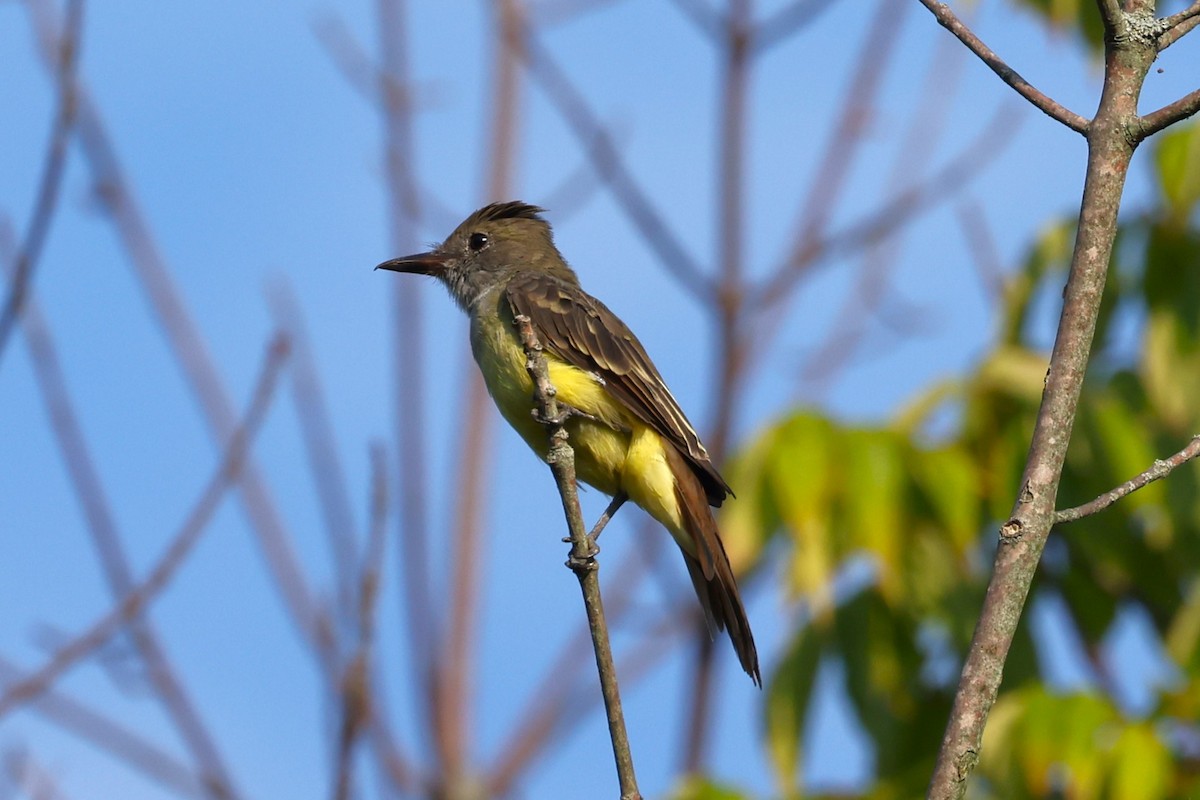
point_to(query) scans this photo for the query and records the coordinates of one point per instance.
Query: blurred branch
(1160, 469)
(186, 342)
(316, 429)
(29, 777)
(99, 731)
(898, 211)
(1042, 102)
(356, 695)
(727, 312)
(582, 561)
(421, 612)
(564, 703)
(135, 602)
(102, 526)
(982, 245)
(707, 20)
(597, 143)
(783, 23)
(844, 143)
(52, 173)
(467, 500)
(550, 13)
(916, 148)
(351, 60)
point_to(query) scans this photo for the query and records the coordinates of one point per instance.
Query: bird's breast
(600, 445)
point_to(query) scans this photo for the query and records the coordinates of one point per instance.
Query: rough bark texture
(1111, 141)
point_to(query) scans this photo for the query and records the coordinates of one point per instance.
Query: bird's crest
(513, 209)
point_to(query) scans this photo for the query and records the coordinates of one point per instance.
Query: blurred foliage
(1074, 17)
(882, 537)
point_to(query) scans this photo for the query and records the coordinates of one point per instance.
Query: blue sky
(257, 164)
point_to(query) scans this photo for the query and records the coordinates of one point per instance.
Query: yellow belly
(616, 453)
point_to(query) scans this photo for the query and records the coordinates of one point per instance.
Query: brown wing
(581, 330)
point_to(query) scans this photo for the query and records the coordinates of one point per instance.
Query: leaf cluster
(881, 536)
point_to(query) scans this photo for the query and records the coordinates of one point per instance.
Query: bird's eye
(478, 241)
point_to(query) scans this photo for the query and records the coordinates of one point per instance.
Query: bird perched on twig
(630, 437)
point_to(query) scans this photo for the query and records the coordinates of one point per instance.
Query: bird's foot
(566, 412)
(587, 562)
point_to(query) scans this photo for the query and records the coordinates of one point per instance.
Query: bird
(629, 434)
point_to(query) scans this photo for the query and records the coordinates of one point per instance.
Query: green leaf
(804, 479)
(1121, 448)
(874, 497)
(1177, 157)
(788, 697)
(1143, 766)
(947, 480)
(1051, 254)
(695, 787)
(749, 522)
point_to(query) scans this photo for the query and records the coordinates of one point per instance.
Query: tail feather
(712, 574)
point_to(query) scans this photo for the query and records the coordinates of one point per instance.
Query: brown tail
(711, 573)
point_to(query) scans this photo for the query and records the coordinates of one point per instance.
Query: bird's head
(486, 249)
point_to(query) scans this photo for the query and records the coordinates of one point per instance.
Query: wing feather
(582, 331)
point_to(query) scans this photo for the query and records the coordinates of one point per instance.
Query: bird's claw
(587, 562)
(565, 412)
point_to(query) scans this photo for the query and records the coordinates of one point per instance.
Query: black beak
(418, 264)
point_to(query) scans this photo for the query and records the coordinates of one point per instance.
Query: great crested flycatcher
(630, 435)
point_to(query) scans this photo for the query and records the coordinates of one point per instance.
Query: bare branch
(52, 173)
(842, 148)
(1160, 469)
(356, 688)
(408, 367)
(556, 700)
(1177, 25)
(985, 255)
(101, 523)
(785, 22)
(316, 429)
(1023, 537)
(582, 562)
(1155, 121)
(123, 744)
(898, 211)
(706, 19)
(1111, 14)
(142, 595)
(1048, 106)
(185, 340)
(601, 151)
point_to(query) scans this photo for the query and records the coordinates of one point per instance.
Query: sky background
(258, 166)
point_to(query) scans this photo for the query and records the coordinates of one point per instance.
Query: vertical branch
(408, 363)
(1023, 536)
(561, 459)
(185, 340)
(467, 500)
(727, 310)
(357, 696)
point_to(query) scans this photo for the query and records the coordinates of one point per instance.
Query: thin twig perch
(1161, 468)
(582, 560)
